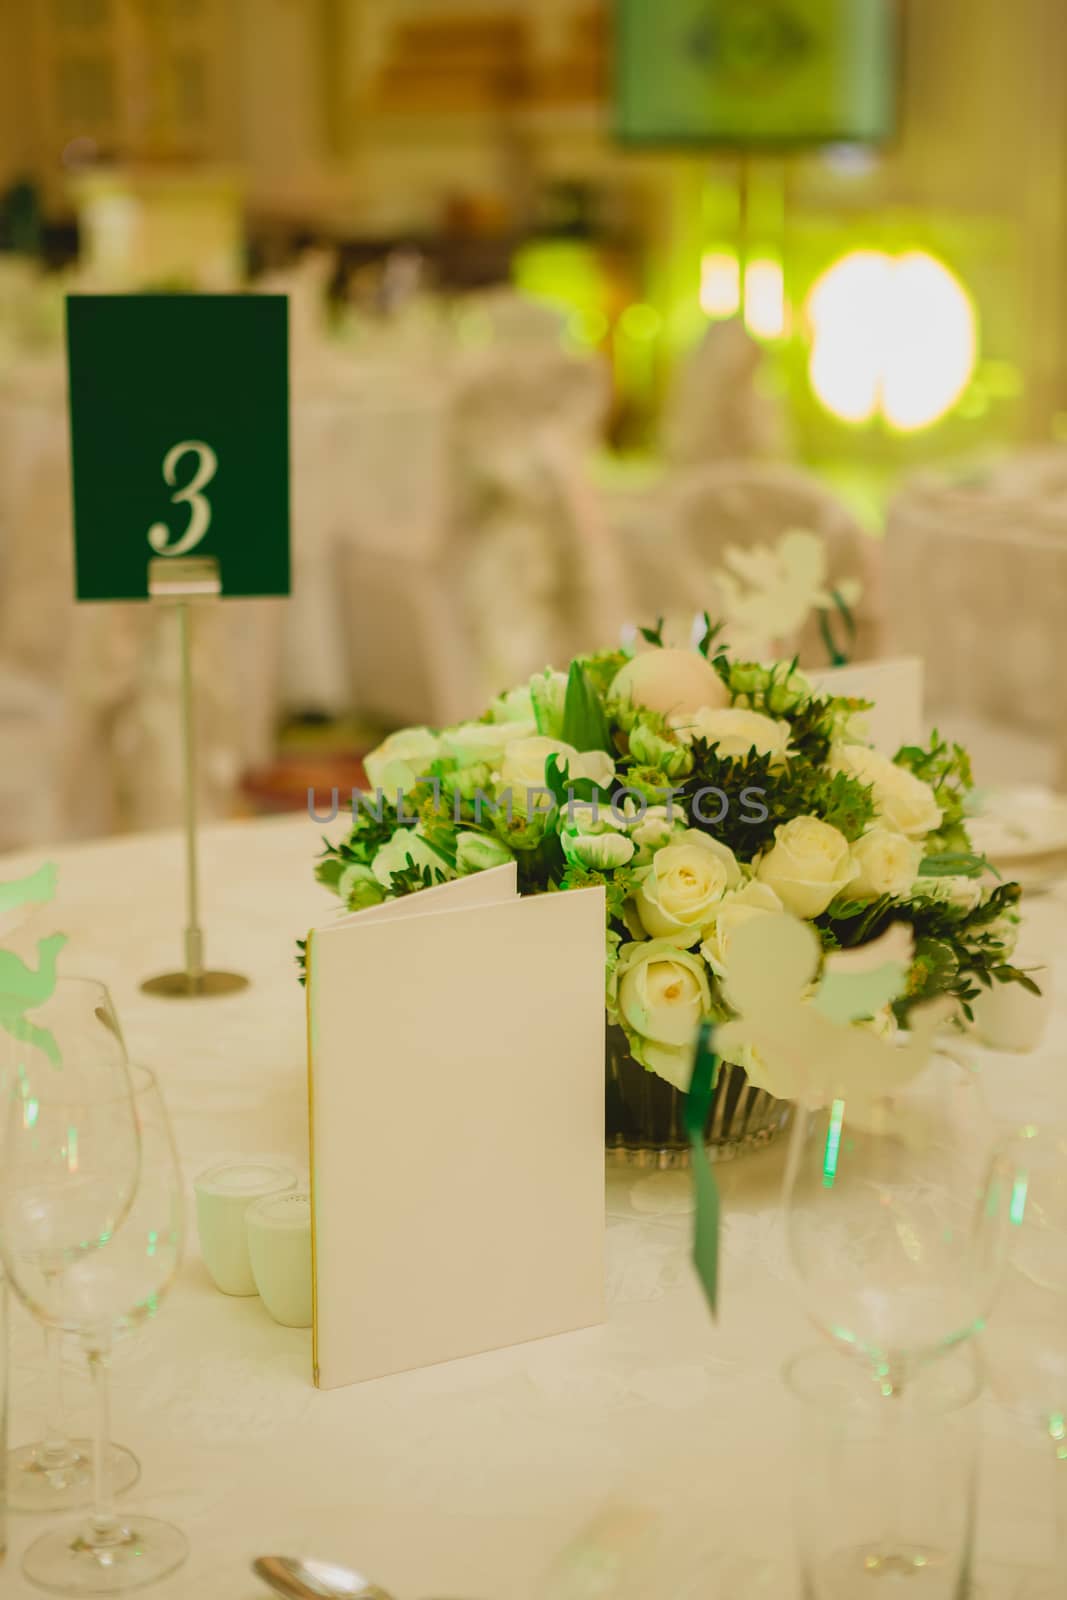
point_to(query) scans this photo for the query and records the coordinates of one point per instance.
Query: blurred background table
(467, 1478)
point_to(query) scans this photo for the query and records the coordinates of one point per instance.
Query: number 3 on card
(207, 464)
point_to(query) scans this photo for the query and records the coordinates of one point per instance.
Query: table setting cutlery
(299, 1579)
(306, 1579)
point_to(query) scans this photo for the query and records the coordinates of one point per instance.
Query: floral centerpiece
(700, 791)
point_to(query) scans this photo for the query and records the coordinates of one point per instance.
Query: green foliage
(438, 827)
(963, 935)
(366, 836)
(650, 783)
(601, 670)
(710, 642)
(838, 799)
(954, 864)
(413, 878)
(585, 725)
(618, 886)
(818, 723)
(947, 769)
(329, 867)
(792, 789)
(958, 948)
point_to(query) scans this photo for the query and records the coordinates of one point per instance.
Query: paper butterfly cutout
(806, 1044)
(861, 982)
(770, 590)
(22, 988)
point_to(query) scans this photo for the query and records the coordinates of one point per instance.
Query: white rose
(516, 705)
(669, 681)
(683, 886)
(662, 995)
(753, 900)
(900, 798)
(401, 760)
(408, 848)
(735, 732)
(523, 770)
(884, 862)
(474, 744)
(807, 865)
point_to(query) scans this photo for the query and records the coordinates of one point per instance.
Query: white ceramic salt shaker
(223, 1195)
(279, 1247)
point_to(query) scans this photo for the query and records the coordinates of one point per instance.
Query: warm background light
(765, 299)
(720, 284)
(891, 336)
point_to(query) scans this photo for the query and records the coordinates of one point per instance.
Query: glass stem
(55, 1450)
(891, 1379)
(1057, 1430)
(104, 1528)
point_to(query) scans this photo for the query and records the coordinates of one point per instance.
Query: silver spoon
(315, 1580)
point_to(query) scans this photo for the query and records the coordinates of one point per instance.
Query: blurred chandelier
(894, 337)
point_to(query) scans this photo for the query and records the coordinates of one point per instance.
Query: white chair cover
(672, 559)
(475, 550)
(542, 580)
(716, 409)
(982, 597)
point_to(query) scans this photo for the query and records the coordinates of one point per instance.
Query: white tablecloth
(464, 1479)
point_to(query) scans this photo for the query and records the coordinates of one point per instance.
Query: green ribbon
(705, 1188)
(838, 658)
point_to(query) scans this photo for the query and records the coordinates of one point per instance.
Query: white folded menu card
(895, 686)
(456, 1081)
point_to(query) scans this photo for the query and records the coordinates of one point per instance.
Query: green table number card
(179, 413)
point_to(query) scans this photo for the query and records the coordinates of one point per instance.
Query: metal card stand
(180, 582)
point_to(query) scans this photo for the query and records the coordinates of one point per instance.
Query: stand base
(33, 1485)
(143, 1550)
(194, 986)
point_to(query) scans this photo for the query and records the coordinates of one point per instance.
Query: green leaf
(584, 724)
(712, 630)
(836, 656)
(954, 864)
(653, 635)
(935, 966)
(1007, 974)
(328, 871)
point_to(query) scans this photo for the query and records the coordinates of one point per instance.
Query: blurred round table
(658, 1441)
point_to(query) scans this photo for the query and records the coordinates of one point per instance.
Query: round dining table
(650, 1456)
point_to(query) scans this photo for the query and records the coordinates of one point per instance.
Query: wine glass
(897, 1223)
(897, 1228)
(75, 1030)
(1025, 1342)
(113, 1285)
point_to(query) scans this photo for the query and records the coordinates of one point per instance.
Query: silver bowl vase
(643, 1114)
